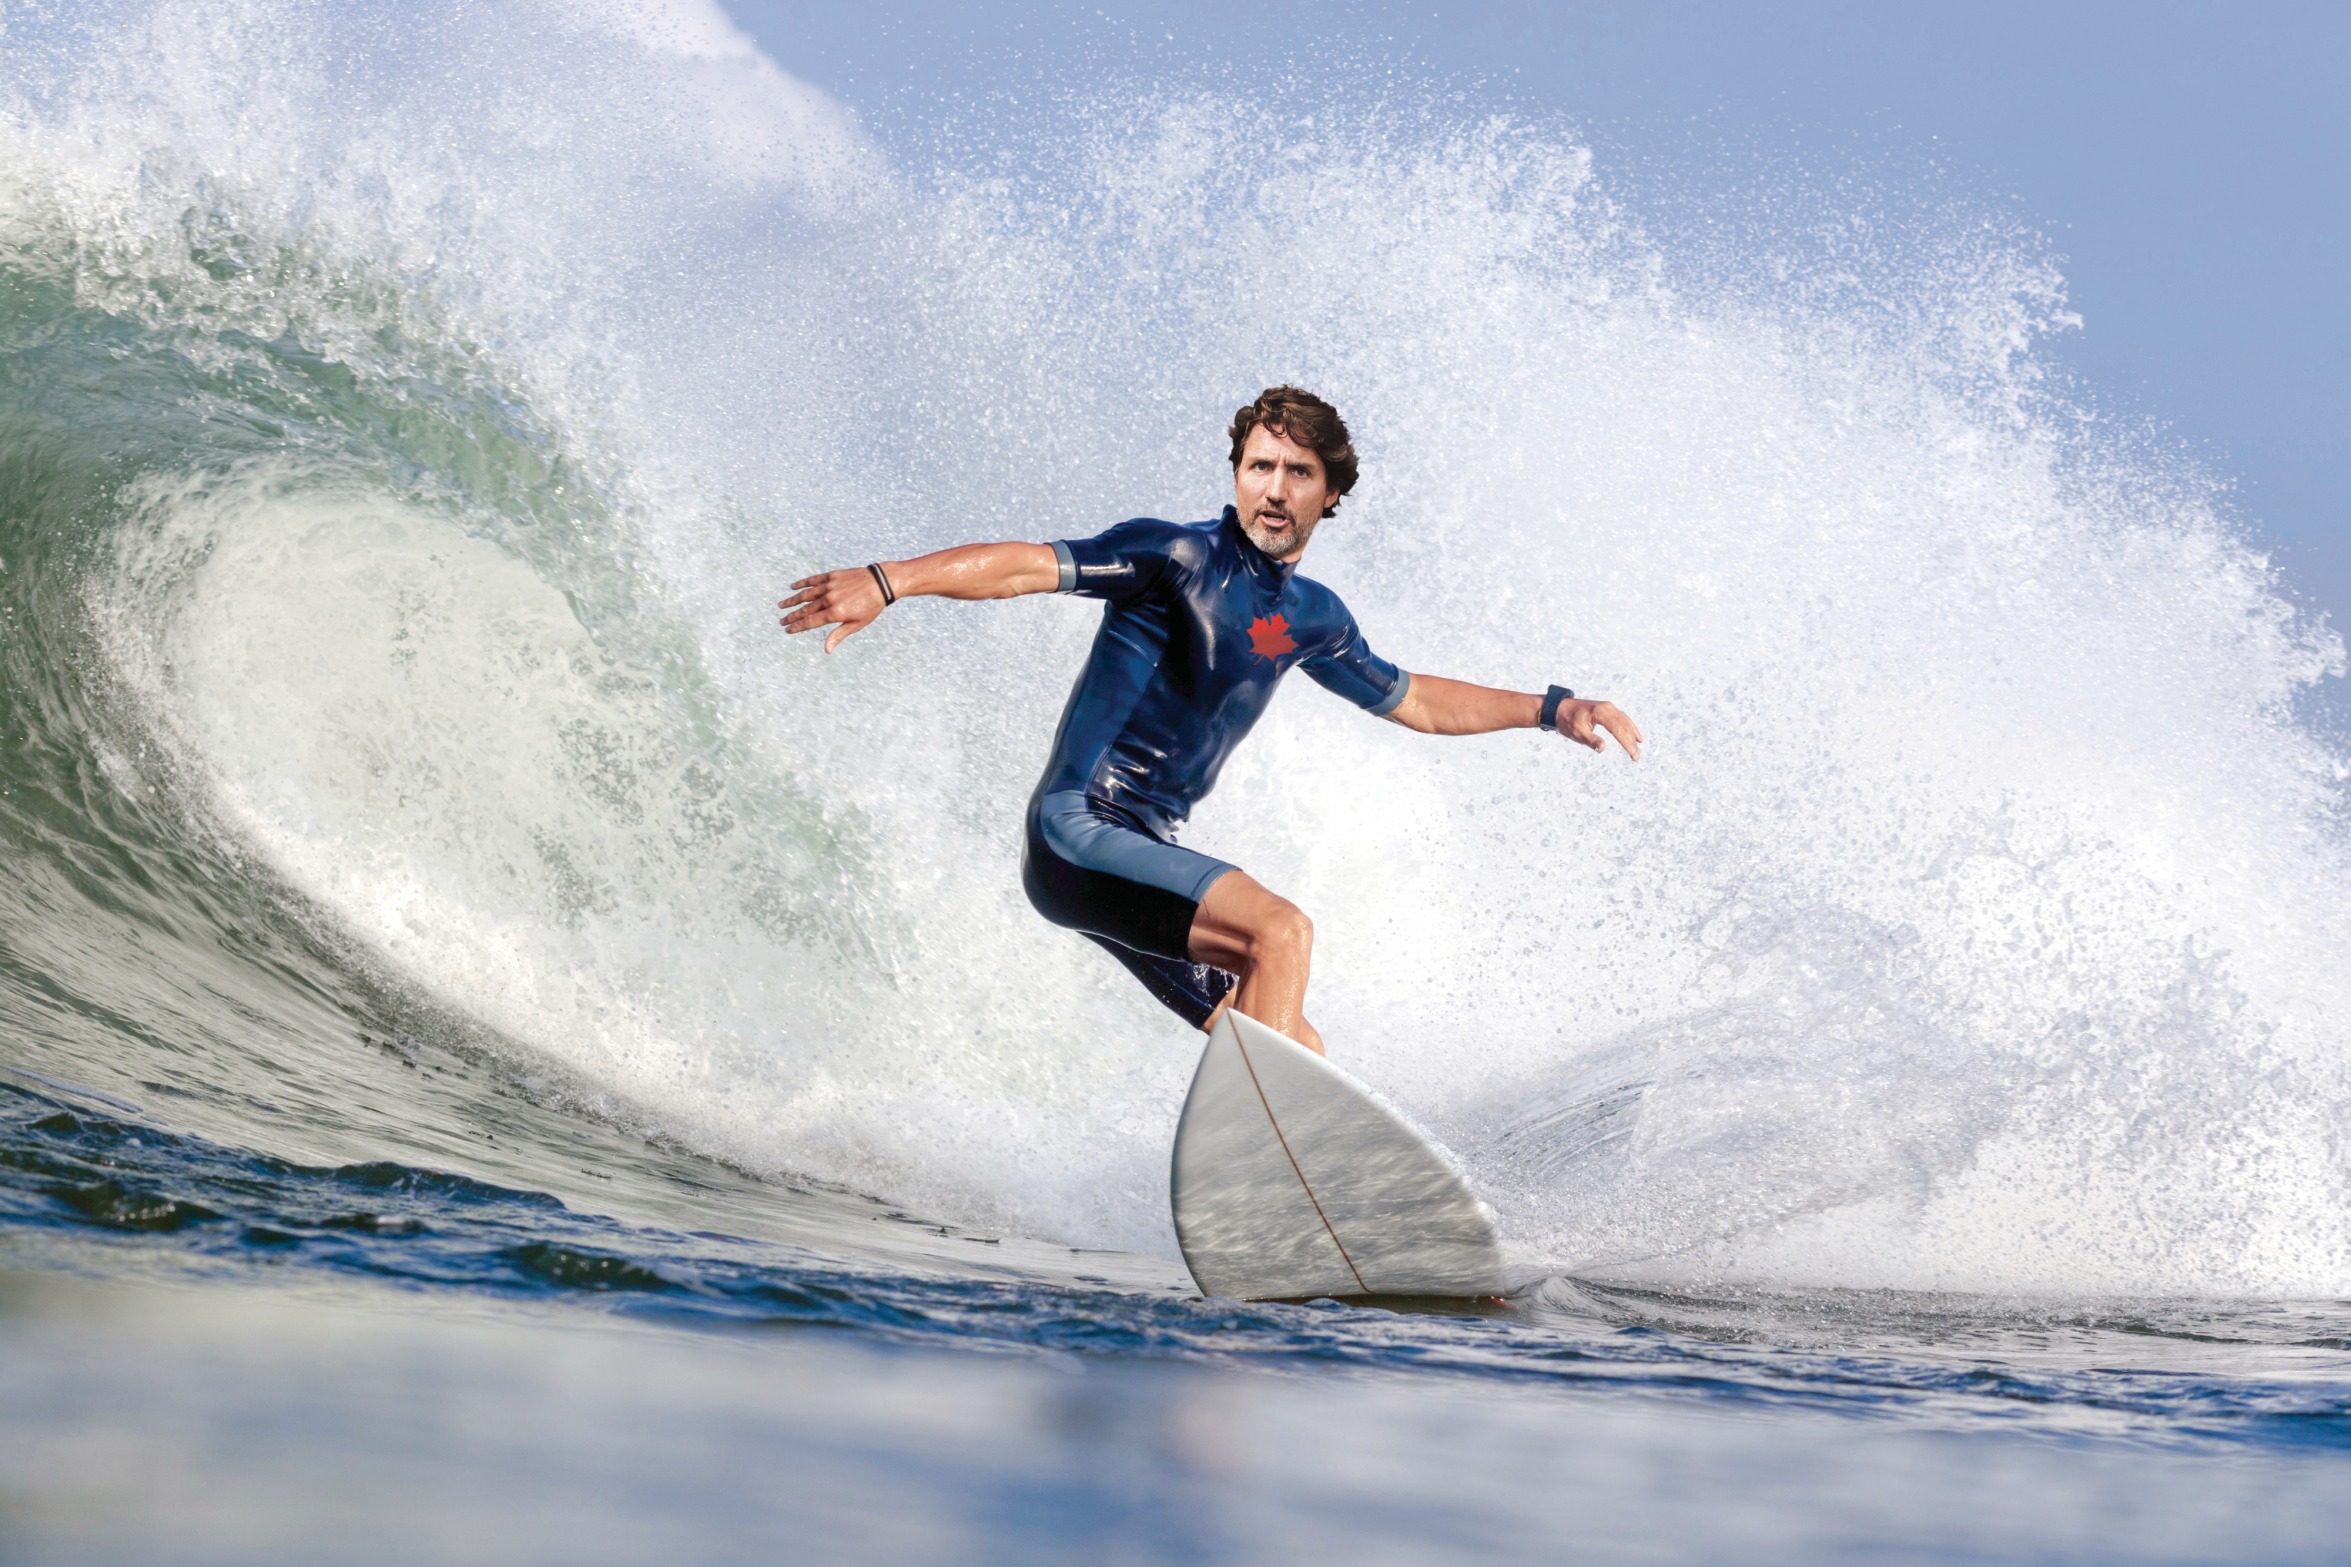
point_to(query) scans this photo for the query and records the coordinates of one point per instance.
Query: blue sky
(2187, 161)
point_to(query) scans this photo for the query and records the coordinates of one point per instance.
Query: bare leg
(1269, 942)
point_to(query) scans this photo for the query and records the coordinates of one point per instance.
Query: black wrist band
(882, 580)
(1551, 700)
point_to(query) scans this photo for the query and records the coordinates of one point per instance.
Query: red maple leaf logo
(1270, 638)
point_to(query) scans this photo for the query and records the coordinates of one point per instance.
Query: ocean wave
(405, 427)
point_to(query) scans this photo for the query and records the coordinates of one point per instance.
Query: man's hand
(1583, 722)
(847, 600)
(1433, 705)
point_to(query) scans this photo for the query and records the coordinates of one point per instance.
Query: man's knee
(1285, 929)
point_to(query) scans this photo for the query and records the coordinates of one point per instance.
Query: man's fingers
(849, 598)
(1628, 734)
(808, 601)
(1592, 723)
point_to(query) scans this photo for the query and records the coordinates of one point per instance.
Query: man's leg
(1269, 942)
(1192, 991)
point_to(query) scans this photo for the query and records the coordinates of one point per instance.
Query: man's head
(1292, 460)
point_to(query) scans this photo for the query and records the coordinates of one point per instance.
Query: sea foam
(1972, 921)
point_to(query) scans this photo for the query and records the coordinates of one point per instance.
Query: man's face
(1280, 491)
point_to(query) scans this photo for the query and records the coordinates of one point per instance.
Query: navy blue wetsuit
(1200, 625)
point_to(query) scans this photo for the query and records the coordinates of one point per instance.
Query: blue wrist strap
(1551, 700)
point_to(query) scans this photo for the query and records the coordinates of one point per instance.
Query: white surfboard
(1291, 1180)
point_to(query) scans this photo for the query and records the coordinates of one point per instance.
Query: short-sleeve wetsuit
(1200, 625)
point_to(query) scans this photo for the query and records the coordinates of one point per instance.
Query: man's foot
(1305, 1033)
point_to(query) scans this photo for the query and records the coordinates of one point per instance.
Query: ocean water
(475, 1001)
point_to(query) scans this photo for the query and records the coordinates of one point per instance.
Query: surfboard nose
(1291, 1180)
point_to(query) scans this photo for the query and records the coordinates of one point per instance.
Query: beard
(1288, 541)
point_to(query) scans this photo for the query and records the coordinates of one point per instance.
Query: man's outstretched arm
(1437, 706)
(852, 599)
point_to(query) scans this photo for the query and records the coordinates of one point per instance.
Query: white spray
(1972, 922)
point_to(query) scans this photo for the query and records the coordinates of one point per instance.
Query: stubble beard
(1289, 541)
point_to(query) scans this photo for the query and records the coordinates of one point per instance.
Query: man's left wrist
(1548, 716)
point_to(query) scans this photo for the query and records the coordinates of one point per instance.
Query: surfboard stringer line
(1308, 1186)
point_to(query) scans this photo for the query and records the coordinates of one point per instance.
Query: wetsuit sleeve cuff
(1395, 697)
(1069, 567)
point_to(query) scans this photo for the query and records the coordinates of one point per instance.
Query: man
(1203, 619)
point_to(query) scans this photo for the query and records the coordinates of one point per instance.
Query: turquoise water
(483, 1020)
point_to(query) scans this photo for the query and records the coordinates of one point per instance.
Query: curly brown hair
(1302, 417)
